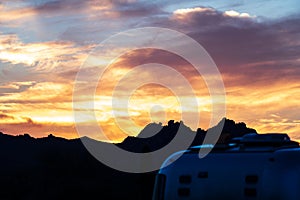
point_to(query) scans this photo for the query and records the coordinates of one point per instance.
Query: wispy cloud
(10, 16)
(42, 56)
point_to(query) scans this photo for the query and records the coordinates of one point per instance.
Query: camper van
(255, 166)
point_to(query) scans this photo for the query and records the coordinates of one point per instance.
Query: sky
(44, 44)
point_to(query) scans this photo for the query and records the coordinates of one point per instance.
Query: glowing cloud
(43, 55)
(184, 11)
(232, 13)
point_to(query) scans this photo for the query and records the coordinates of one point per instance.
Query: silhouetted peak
(53, 139)
(171, 122)
(51, 136)
(155, 136)
(231, 129)
(241, 124)
(155, 128)
(150, 130)
(85, 138)
(200, 131)
(26, 135)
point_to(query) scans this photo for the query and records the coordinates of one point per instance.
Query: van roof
(251, 142)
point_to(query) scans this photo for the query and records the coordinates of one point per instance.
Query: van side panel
(217, 176)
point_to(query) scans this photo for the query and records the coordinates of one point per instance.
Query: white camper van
(256, 166)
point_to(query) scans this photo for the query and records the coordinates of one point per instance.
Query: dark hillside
(57, 168)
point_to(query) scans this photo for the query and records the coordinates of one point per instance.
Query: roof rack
(272, 141)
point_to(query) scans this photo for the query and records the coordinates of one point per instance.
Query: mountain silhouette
(58, 168)
(165, 134)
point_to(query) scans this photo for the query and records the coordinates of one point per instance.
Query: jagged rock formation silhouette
(57, 168)
(164, 134)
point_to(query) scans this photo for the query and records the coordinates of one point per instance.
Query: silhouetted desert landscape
(139, 75)
(58, 168)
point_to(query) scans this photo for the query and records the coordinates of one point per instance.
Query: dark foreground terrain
(57, 168)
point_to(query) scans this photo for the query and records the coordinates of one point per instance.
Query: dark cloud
(27, 124)
(138, 9)
(245, 47)
(69, 74)
(5, 117)
(31, 123)
(15, 87)
(258, 51)
(58, 6)
(103, 8)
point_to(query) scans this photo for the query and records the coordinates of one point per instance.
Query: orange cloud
(44, 56)
(7, 15)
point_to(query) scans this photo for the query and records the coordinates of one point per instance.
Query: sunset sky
(43, 44)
